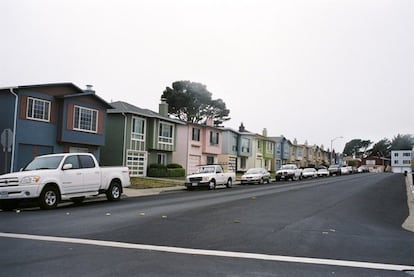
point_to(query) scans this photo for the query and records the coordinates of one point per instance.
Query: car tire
(49, 198)
(229, 183)
(212, 185)
(114, 192)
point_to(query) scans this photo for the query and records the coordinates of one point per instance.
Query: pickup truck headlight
(206, 178)
(30, 180)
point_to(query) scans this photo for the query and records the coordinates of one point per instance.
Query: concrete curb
(409, 222)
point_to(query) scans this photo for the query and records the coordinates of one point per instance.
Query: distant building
(401, 160)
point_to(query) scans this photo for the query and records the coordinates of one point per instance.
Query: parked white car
(70, 176)
(323, 172)
(309, 173)
(346, 170)
(210, 176)
(255, 175)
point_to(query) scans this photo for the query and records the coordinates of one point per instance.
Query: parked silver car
(255, 175)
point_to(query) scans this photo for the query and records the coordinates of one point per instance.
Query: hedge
(171, 170)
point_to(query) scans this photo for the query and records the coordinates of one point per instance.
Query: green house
(138, 137)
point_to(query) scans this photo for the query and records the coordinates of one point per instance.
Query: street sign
(6, 139)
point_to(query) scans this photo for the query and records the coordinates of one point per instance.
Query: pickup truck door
(72, 179)
(220, 176)
(91, 173)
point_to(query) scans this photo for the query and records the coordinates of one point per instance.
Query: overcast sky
(310, 70)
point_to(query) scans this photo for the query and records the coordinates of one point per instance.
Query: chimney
(163, 107)
(264, 132)
(241, 128)
(89, 88)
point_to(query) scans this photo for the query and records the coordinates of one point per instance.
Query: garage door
(137, 163)
(193, 162)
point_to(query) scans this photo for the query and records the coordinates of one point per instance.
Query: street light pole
(332, 140)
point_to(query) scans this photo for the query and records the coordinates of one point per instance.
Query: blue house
(282, 151)
(49, 118)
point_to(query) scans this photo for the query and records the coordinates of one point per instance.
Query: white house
(401, 160)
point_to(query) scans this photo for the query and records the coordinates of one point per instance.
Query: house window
(269, 147)
(259, 145)
(138, 129)
(165, 134)
(214, 138)
(245, 145)
(406, 154)
(162, 158)
(210, 160)
(406, 162)
(85, 119)
(234, 146)
(196, 134)
(395, 154)
(38, 109)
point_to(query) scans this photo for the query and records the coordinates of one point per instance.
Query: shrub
(175, 172)
(160, 170)
(174, 166)
(157, 170)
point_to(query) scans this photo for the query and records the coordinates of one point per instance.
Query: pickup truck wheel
(114, 191)
(212, 184)
(49, 198)
(229, 183)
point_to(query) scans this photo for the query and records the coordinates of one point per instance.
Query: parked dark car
(334, 169)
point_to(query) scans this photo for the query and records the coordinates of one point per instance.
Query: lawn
(147, 182)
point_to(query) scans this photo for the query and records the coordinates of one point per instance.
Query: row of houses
(52, 118)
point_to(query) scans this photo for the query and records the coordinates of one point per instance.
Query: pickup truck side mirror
(67, 166)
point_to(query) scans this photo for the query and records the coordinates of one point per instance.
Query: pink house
(197, 144)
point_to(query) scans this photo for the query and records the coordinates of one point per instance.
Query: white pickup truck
(289, 171)
(55, 177)
(210, 176)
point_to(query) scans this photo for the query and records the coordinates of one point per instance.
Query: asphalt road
(337, 226)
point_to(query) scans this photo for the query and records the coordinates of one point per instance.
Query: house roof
(65, 84)
(78, 91)
(92, 94)
(123, 107)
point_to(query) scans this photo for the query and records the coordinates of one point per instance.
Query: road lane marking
(217, 253)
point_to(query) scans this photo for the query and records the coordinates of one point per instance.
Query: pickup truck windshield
(205, 169)
(44, 163)
(288, 166)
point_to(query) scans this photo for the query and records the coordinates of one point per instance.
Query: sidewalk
(142, 192)
(409, 222)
